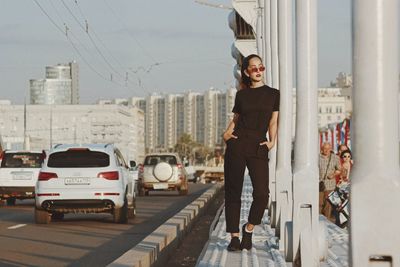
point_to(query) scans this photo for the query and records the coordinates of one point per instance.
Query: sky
(168, 46)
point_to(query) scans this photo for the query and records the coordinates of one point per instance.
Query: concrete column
(260, 30)
(267, 41)
(375, 178)
(275, 84)
(284, 197)
(305, 179)
(274, 43)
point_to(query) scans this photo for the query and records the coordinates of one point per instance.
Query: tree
(194, 152)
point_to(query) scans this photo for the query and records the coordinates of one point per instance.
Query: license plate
(77, 181)
(22, 176)
(160, 186)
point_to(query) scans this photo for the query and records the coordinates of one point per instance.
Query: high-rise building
(200, 122)
(211, 108)
(190, 113)
(203, 116)
(60, 87)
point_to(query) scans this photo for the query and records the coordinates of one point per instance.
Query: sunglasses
(255, 69)
(346, 156)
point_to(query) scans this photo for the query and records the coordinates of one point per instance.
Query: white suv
(162, 171)
(18, 174)
(84, 178)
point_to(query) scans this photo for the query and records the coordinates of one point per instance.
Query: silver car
(18, 174)
(162, 171)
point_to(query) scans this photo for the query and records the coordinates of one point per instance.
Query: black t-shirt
(255, 107)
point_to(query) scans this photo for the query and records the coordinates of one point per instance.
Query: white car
(18, 174)
(84, 179)
(162, 171)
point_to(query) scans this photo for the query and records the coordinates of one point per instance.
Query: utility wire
(124, 27)
(91, 29)
(69, 30)
(72, 44)
(85, 29)
(129, 33)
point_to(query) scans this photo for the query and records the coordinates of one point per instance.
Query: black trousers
(241, 152)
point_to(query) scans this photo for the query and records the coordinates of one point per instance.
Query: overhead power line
(88, 29)
(125, 28)
(85, 29)
(60, 29)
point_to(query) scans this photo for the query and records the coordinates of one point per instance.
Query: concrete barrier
(155, 249)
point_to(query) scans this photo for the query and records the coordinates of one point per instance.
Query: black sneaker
(234, 245)
(246, 239)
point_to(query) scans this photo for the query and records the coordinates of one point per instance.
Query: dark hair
(346, 152)
(245, 81)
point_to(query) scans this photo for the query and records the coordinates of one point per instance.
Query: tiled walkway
(265, 251)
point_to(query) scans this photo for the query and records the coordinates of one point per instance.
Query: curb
(154, 250)
(212, 228)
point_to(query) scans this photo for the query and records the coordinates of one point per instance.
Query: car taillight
(109, 175)
(45, 176)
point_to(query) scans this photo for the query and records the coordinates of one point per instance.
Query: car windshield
(22, 160)
(155, 159)
(78, 159)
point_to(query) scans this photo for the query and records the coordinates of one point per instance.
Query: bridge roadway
(83, 239)
(266, 250)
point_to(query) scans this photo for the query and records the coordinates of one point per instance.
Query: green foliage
(194, 152)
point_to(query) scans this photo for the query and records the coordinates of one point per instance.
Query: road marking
(16, 226)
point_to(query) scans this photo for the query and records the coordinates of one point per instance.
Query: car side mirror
(132, 163)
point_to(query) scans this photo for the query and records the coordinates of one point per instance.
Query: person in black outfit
(255, 113)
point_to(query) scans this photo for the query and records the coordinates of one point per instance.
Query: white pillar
(267, 42)
(305, 178)
(275, 84)
(284, 163)
(260, 30)
(375, 185)
(274, 43)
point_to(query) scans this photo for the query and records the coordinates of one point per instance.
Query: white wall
(117, 124)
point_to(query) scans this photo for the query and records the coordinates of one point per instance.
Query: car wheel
(132, 209)
(57, 216)
(183, 191)
(41, 216)
(11, 201)
(142, 191)
(121, 214)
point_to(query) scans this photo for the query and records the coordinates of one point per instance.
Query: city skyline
(178, 56)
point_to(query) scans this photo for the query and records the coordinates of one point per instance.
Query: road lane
(83, 239)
